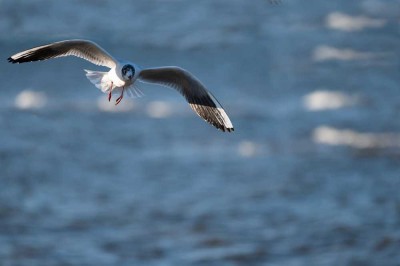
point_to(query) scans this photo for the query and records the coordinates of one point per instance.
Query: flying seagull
(123, 76)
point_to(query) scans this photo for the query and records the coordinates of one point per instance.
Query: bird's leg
(119, 99)
(109, 94)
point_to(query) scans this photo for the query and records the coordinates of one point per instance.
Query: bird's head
(128, 72)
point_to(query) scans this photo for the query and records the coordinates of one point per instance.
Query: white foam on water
(29, 99)
(327, 100)
(159, 109)
(248, 148)
(348, 137)
(344, 22)
(326, 53)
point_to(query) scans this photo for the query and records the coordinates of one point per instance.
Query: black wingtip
(11, 60)
(226, 129)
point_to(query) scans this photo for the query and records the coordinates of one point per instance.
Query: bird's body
(123, 76)
(113, 81)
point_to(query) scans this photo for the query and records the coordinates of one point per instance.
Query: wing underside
(198, 97)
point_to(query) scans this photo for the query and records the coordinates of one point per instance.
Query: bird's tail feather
(100, 80)
(134, 91)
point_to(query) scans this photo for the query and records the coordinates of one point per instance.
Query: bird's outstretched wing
(199, 98)
(81, 48)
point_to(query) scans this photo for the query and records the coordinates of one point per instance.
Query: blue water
(149, 183)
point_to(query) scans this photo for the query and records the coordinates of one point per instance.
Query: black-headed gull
(123, 75)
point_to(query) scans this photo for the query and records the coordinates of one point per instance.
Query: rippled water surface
(309, 177)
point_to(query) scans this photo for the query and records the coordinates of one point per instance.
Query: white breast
(114, 77)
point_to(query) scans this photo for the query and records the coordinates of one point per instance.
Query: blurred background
(309, 177)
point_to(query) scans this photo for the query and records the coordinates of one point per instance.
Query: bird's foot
(109, 94)
(119, 99)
